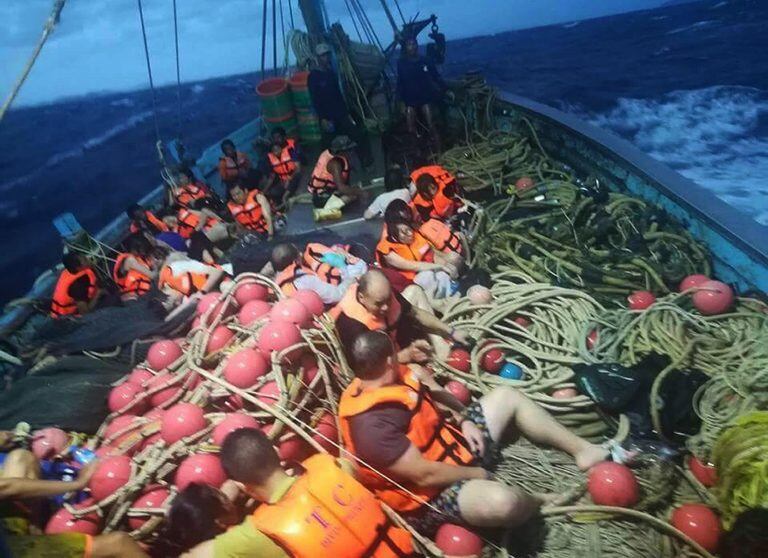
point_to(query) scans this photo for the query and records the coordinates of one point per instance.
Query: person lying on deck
(199, 218)
(21, 485)
(235, 165)
(316, 505)
(77, 290)
(181, 276)
(285, 165)
(389, 419)
(251, 211)
(321, 269)
(372, 305)
(330, 184)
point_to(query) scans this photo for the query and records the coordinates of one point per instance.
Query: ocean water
(687, 84)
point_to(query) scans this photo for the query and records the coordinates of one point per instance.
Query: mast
(390, 17)
(312, 12)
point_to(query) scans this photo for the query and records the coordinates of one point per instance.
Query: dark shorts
(445, 506)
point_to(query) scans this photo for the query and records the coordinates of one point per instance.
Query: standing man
(330, 106)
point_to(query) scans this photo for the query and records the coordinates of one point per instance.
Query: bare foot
(590, 456)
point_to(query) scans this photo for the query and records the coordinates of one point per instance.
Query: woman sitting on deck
(135, 268)
(235, 165)
(187, 190)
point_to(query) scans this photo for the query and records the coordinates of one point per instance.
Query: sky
(97, 46)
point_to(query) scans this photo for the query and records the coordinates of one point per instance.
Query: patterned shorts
(445, 506)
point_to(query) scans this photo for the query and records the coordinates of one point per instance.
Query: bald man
(372, 305)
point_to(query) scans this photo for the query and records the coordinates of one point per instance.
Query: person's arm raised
(412, 467)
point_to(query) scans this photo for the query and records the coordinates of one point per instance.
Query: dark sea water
(687, 84)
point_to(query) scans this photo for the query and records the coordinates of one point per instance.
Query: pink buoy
(640, 300)
(276, 336)
(64, 522)
(326, 430)
(163, 353)
(234, 402)
(111, 474)
(613, 484)
(459, 391)
(479, 294)
(102, 452)
(524, 183)
(699, 522)
(252, 311)
(269, 393)
(245, 367)
(522, 321)
(180, 421)
(219, 338)
(124, 395)
(692, 282)
(247, 292)
(153, 496)
(714, 298)
(139, 376)
(309, 364)
(208, 301)
(203, 468)
(291, 311)
(49, 442)
(565, 393)
(293, 448)
(311, 301)
(118, 423)
(592, 339)
(155, 414)
(150, 440)
(456, 541)
(230, 423)
(165, 394)
(705, 473)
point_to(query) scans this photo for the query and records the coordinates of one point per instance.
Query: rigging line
(50, 24)
(149, 71)
(366, 31)
(282, 33)
(274, 38)
(178, 70)
(364, 18)
(290, 12)
(402, 17)
(263, 38)
(354, 21)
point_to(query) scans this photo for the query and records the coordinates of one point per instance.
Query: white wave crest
(570, 25)
(709, 135)
(697, 25)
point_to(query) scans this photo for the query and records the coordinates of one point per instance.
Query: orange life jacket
(418, 251)
(188, 193)
(62, 304)
(131, 282)
(441, 206)
(188, 220)
(436, 439)
(185, 284)
(440, 236)
(283, 166)
(250, 214)
(321, 182)
(350, 306)
(229, 168)
(327, 512)
(286, 278)
(312, 258)
(153, 220)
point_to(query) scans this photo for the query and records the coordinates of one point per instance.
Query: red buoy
(247, 292)
(291, 311)
(640, 300)
(230, 423)
(459, 391)
(455, 540)
(139, 376)
(245, 367)
(705, 473)
(524, 183)
(311, 301)
(293, 448)
(592, 339)
(309, 363)
(118, 423)
(208, 301)
(276, 336)
(124, 395)
(153, 496)
(49, 442)
(252, 311)
(700, 523)
(180, 421)
(326, 428)
(163, 395)
(493, 360)
(613, 484)
(692, 282)
(64, 522)
(477, 294)
(163, 353)
(269, 393)
(220, 338)
(203, 468)
(110, 475)
(565, 393)
(713, 298)
(459, 359)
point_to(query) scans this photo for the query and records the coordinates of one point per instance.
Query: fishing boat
(475, 113)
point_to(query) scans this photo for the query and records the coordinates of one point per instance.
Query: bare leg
(430, 121)
(416, 296)
(116, 545)
(485, 503)
(20, 464)
(505, 407)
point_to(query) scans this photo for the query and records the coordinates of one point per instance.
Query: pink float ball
(111, 474)
(206, 302)
(269, 393)
(118, 423)
(592, 339)
(247, 292)
(252, 311)
(613, 484)
(492, 361)
(64, 522)
(180, 421)
(640, 300)
(219, 338)
(163, 395)
(326, 429)
(230, 423)
(124, 395)
(291, 311)
(293, 448)
(311, 301)
(457, 541)
(139, 376)
(714, 298)
(692, 282)
(524, 183)
(478, 294)
(163, 353)
(245, 367)
(459, 391)
(203, 468)
(49, 442)
(565, 393)
(234, 402)
(153, 496)
(460, 359)
(276, 336)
